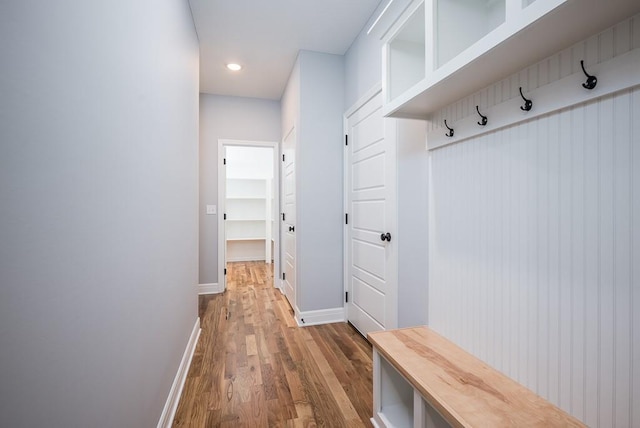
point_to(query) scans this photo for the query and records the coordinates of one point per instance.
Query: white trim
(222, 177)
(171, 405)
(388, 18)
(222, 237)
(323, 316)
(377, 392)
(346, 180)
(363, 100)
(617, 74)
(213, 288)
(379, 17)
(403, 15)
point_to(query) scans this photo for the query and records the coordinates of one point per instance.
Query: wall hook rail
(483, 120)
(450, 133)
(528, 104)
(592, 81)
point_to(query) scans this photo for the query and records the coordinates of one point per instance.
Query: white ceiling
(264, 36)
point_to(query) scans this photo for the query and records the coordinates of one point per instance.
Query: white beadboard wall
(534, 241)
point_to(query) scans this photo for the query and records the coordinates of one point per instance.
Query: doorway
(248, 196)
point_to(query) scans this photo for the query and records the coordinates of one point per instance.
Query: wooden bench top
(463, 389)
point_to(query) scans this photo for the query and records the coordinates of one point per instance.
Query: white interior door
(289, 219)
(371, 262)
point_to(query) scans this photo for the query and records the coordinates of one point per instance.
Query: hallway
(254, 367)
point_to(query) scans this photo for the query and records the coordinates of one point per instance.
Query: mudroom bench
(420, 379)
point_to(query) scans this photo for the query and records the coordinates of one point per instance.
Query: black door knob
(292, 228)
(386, 237)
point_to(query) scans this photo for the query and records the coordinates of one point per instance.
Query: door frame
(222, 181)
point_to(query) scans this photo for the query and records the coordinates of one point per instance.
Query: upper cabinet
(439, 51)
(406, 55)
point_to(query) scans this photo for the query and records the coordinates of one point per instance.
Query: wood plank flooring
(254, 367)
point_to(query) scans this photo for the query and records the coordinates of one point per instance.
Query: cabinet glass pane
(461, 23)
(407, 55)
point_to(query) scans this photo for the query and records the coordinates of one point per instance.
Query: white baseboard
(324, 316)
(209, 288)
(170, 407)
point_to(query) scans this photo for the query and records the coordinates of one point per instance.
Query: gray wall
(319, 163)
(363, 62)
(232, 118)
(312, 102)
(98, 211)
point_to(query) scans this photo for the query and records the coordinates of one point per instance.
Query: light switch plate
(211, 209)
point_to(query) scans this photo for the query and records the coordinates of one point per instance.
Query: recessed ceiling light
(234, 67)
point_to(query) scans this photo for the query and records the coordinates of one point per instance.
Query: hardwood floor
(254, 367)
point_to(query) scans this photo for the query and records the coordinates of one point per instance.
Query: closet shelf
(247, 239)
(249, 210)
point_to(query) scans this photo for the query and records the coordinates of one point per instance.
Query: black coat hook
(484, 119)
(527, 103)
(450, 133)
(591, 82)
